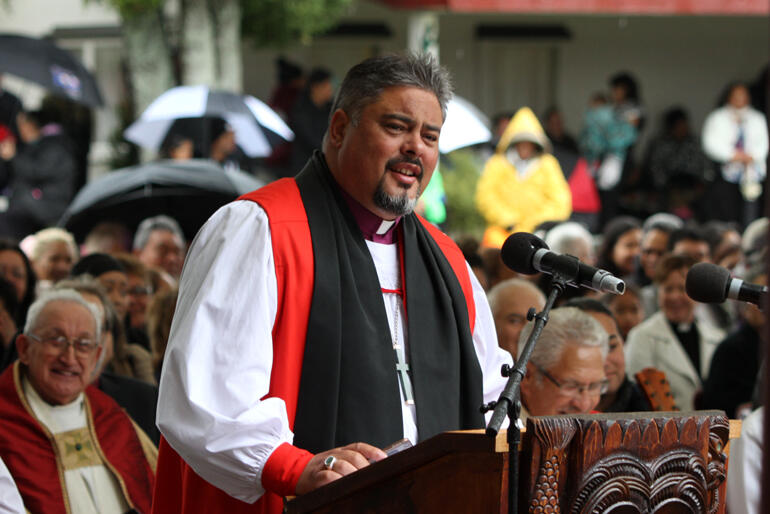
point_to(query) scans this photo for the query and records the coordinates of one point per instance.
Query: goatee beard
(398, 204)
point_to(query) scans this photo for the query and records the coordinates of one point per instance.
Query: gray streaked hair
(61, 295)
(87, 284)
(566, 325)
(663, 221)
(365, 82)
(493, 296)
(566, 236)
(161, 222)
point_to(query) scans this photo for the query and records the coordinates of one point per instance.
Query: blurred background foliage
(461, 170)
(277, 23)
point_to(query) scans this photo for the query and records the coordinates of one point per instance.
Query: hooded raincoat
(513, 200)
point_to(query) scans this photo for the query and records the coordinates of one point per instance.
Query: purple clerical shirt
(373, 227)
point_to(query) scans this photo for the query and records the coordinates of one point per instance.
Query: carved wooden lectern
(662, 462)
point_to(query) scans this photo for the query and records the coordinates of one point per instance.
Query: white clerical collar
(57, 418)
(385, 226)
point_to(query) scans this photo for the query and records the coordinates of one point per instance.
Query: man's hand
(349, 458)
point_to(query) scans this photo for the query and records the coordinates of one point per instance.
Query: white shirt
(90, 489)
(745, 474)
(720, 132)
(220, 350)
(10, 499)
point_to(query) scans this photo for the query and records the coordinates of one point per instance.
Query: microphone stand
(508, 403)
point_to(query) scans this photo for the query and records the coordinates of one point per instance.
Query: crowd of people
(282, 371)
(91, 408)
(717, 175)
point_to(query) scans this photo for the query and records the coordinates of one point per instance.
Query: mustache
(402, 160)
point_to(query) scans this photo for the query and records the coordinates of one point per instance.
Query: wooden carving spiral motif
(595, 464)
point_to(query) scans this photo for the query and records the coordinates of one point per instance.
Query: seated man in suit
(565, 374)
(69, 446)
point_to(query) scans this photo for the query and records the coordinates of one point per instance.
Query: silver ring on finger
(329, 462)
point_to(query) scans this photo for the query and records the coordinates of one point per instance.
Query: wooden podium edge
(414, 457)
(427, 451)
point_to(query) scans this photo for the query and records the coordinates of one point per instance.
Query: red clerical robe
(179, 489)
(29, 452)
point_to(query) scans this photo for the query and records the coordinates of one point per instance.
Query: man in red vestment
(69, 447)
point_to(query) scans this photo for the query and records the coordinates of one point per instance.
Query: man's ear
(22, 347)
(338, 127)
(528, 379)
(97, 360)
(7, 328)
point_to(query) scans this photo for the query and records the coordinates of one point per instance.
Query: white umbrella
(257, 127)
(465, 125)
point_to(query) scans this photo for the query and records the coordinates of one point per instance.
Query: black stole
(349, 386)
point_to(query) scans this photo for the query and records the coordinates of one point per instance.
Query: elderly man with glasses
(565, 374)
(69, 447)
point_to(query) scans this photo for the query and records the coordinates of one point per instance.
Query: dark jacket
(734, 370)
(139, 399)
(629, 398)
(41, 181)
(309, 122)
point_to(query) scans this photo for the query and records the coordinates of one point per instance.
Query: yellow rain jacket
(511, 202)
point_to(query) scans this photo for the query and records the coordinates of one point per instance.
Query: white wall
(39, 17)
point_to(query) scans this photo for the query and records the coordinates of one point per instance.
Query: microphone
(709, 283)
(528, 254)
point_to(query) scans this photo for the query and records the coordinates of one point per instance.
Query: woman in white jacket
(673, 340)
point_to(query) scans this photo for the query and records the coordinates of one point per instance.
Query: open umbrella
(257, 127)
(465, 125)
(42, 62)
(188, 191)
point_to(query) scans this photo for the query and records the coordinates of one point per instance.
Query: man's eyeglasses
(573, 389)
(82, 347)
(139, 291)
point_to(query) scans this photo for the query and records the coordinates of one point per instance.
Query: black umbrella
(188, 191)
(42, 62)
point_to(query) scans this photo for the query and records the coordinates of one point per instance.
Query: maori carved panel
(625, 463)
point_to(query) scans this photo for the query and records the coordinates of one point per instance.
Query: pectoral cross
(402, 369)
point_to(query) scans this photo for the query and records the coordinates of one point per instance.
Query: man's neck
(373, 227)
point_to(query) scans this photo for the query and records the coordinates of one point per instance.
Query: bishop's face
(387, 157)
